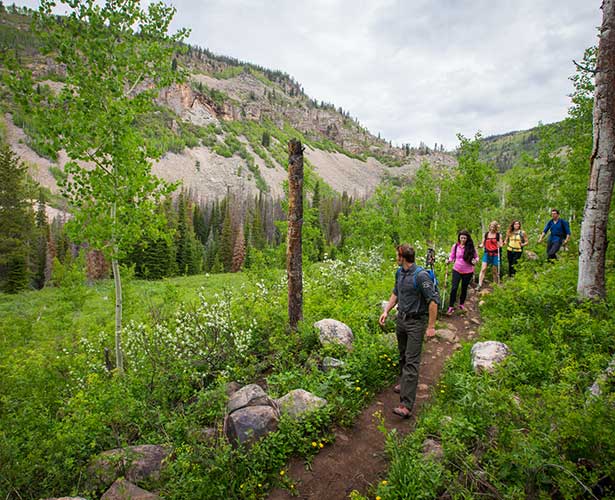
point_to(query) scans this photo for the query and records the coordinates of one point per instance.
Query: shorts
(493, 260)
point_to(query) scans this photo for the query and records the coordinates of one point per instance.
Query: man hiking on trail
(417, 302)
(492, 242)
(560, 234)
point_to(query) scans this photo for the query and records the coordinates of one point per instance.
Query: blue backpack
(430, 273)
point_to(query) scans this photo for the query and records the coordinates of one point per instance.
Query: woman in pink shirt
(464, 255)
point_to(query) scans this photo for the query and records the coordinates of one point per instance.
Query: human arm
(390, 305)
(524, 239)
(453, 255)
(431, 322)
(545, 231)
(567, 230)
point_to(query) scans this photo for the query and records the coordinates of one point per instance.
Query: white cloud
(413, 70)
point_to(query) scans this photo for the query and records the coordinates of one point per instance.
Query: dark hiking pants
(553, 248)
(410, 333)
(465, 281)
(513, 257)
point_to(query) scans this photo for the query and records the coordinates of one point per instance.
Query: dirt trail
(356, 460)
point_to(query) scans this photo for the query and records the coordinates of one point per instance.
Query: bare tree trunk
(295, 221)
(592, 247)
(117, 281)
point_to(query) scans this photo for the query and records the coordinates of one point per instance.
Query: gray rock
(125, 490)
(65, 498)
(531, 255)
(486, 355)
(596, 388)
(298, 402)
(433, 449)
(232, 388)
(135, 463)
(447, 335)
(248, 425)
(329, 364)
(475, 321)
(334, 332)
(205, 434)
(249, 395)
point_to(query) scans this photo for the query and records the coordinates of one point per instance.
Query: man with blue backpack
(560, 234)
(417, 299)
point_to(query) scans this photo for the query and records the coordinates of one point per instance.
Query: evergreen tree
(40, 247)
(226, 242)
(16, 222)
(182, 239)
(316, 196)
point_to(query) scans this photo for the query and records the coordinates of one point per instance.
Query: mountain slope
(226, 128)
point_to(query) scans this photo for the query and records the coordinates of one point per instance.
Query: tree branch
(134, 85)
(584, 68)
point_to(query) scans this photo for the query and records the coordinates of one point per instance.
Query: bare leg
(481, 276)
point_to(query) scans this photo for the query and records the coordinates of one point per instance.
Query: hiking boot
(450, 311)
(397, 388)
(462, 308)
(402, 411)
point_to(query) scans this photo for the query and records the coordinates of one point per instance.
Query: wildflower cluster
(203, 336)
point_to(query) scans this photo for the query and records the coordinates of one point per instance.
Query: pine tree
(226, 242)
(40, 247)
(182, 239)
(16, 222)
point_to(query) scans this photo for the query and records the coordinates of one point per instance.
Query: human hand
(383, 318)
(431, 331)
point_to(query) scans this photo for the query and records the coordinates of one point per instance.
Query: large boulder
(486, 355)
(249, 395)
(135, 463)
(332, 331)
(247, 425)
(298, 402)
(125, 490)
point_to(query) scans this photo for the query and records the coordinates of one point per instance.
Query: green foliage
(531, 427)
(184, 344)
(16, 222)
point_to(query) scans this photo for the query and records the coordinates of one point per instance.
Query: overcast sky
(411, 70)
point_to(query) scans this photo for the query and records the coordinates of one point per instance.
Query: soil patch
(356, 459)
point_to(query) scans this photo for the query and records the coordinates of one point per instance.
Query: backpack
(430, 273)
(491, 247)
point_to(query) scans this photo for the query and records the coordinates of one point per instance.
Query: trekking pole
(443, 304)
(499, 263)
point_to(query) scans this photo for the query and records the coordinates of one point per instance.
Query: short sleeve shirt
(411, 300)
(559, 230)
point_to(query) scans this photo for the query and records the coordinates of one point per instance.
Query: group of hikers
(417, 298)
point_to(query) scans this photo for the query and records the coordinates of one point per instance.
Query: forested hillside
(192, 332)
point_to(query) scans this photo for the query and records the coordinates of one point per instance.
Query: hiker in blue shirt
(560, 234)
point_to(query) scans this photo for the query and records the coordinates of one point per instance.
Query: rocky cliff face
(220, 90)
